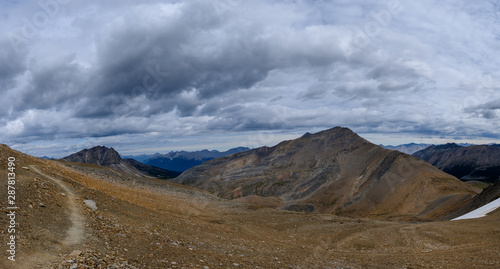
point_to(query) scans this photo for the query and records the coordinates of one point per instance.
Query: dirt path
(76, 233)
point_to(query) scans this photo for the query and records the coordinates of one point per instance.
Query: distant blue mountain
(139, 158)
(408, 148)
(181, 161)
(413, 147)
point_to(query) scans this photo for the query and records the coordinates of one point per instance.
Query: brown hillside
(334, 171)
(488, 195)
(149, 223)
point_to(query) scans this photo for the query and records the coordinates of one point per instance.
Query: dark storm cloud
(191, 48)
(54, 85)
(400, 76)
(488, 110)
(12, 64)
(161, 58)
(98, 108)
(317, 91)
(175, 68)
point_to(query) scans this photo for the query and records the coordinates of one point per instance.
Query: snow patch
(481, 212)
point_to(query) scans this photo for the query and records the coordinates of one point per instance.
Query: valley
(141, 222)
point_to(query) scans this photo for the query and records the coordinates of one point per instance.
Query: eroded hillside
(334, 171)
(143, 223)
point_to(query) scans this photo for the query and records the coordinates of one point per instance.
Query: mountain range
(408, 148)
(181, 161)
(109, 157)
(413, 147)
(333, 171)
(478, 162)
(369, 205)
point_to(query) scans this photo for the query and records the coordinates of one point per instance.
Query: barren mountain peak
(109, 157)
(99, 155)
(332, 171)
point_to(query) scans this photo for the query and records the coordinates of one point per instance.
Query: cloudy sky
(170, 75)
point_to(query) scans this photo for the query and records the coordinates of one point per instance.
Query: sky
(157, 76)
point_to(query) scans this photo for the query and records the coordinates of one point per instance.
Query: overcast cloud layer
(164, 75)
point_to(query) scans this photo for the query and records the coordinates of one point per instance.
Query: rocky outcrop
(97, 155)
(109, 157)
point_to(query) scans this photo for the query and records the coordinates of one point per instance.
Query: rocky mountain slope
(150, 223)
(109, 157)
(334, 171)
(488, 195)
(481, 162)
(183, 160)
